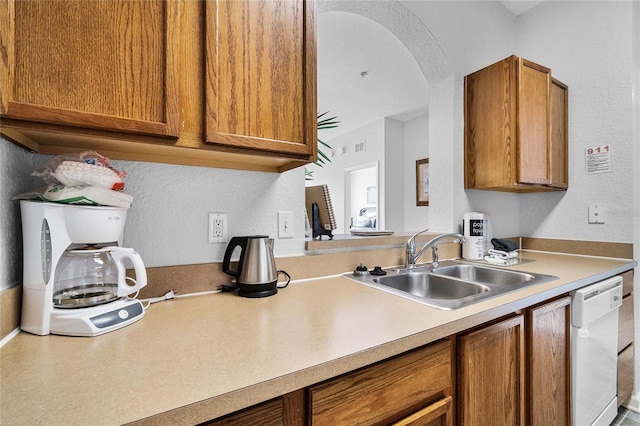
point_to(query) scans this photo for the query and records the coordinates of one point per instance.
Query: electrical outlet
(217, 228)
(285, 224)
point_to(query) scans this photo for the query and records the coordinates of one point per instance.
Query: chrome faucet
(412, 256)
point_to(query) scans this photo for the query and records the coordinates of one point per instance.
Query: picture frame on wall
(422, 182)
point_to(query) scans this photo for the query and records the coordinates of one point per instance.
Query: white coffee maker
(74, 279)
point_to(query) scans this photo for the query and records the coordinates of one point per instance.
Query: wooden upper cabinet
(515, 128)
(261, 76)
(108, 65)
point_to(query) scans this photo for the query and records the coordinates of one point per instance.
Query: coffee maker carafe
(74, 280)
(92, 276)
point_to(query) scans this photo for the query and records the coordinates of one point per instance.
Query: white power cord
(171, 294)
(168, 296)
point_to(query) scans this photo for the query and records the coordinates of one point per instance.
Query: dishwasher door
(594, 352)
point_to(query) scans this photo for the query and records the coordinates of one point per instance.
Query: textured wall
(167, 223)
(592, 46)
(16, 166)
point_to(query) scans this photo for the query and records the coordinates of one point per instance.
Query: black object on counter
(377, 270)
(504, 244)
(316, 229)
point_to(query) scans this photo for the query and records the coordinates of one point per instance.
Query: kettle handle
(121, 253)
(233, 243)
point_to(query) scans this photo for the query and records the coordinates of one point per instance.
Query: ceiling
(370, 77)
(518, 7)
(373, 75)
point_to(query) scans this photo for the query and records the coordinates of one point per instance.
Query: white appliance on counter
(594, 352)
(74, 279)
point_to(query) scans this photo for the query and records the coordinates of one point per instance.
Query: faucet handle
(412, 240)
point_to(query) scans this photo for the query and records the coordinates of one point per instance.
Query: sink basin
(451, 285)
(484, 275)
(431, 286)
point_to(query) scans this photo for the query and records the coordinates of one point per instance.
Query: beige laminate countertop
(196, 358)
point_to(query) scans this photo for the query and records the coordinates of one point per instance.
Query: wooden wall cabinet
(516, 128)
(100, 65)
(261, 75)
(220, 83)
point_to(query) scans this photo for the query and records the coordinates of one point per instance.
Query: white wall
(588, 46)
(591, 53)
(416, 147)
(167, 223)
(472, 35)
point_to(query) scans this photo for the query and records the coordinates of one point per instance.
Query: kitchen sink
(484, 275)
(452, 284)
(431, 286)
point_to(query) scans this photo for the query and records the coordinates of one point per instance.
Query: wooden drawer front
(625, 323)
(625, 375)
(270, 413)
(627, 282)
(437, 414)
(384, 392)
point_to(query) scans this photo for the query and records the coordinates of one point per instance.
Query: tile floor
(626, 418)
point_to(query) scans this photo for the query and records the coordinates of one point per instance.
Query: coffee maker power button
(123, 314)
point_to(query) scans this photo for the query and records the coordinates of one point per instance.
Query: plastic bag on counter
(85, 169)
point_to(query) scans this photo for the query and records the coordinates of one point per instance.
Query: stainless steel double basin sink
(452, 284)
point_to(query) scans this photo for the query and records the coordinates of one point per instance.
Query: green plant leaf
(323, 123)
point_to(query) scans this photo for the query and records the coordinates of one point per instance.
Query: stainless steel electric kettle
(256, 275)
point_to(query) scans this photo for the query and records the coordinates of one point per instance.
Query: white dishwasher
(594, 352)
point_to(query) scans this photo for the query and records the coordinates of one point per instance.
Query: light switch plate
(597, 213)
(285, 224)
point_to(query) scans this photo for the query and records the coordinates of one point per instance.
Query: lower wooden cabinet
(517, 371)
(625, 340)
(491, 374)
(549, 363)
(411, 389)
(287, 410)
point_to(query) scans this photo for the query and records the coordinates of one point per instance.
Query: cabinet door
(549, 363)
(534, 84)
(491, 375)
(91, 64)
(261, 76)
(490, 114)
(558, 160)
